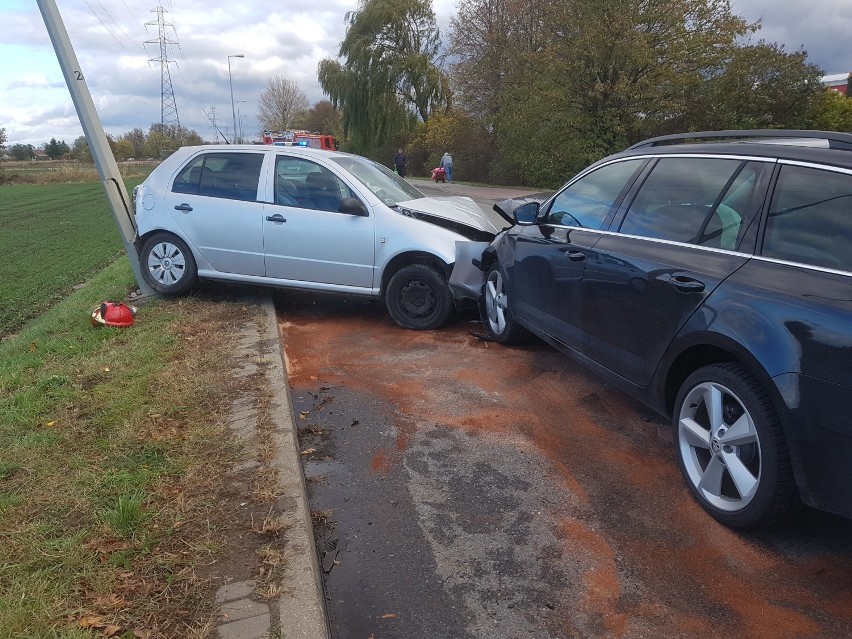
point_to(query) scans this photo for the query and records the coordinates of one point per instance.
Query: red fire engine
(300, 138)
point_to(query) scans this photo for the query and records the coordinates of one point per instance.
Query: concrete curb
(299, 611)
(302, 605)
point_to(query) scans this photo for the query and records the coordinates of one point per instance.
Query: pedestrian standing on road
(399, 162)
(447, 165)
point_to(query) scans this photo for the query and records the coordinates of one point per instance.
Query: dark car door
(546, 273)
(676, 241)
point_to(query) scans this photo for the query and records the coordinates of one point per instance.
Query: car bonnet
(448, 212)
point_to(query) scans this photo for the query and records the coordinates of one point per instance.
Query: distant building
(838, 82)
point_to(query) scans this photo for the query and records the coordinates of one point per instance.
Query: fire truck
(300, 138)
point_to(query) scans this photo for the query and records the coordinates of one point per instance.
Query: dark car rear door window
(694, 200)
(810, 218)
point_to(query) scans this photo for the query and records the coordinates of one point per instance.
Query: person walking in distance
(447, 165)
(399, 162)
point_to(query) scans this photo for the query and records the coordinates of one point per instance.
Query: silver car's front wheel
(168, 265)
(418, 298)
(731, 449)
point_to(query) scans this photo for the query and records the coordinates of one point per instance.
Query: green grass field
(54, 237)
(65, 171)
(113, 445)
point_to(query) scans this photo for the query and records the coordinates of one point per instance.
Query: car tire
(419, 298)
(168, 265)
(731, 448)
(496, 314)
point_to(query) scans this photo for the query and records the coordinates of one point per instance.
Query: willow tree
(386, 77)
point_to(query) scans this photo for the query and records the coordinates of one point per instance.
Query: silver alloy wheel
(496, 303)
(166, 263)
(719, 446)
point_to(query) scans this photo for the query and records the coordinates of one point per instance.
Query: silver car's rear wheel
(168, 265)
(731, 448)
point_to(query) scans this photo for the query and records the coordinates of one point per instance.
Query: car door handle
(686, 284)
(186, 208)
(575, 256)
(275, 218)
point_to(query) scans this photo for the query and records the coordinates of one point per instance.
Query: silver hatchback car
(303, 218)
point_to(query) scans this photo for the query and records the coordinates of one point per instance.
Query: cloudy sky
(286, 37)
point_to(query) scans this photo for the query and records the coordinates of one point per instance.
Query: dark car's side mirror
(526, 214)
(352, 206)
(518, 211)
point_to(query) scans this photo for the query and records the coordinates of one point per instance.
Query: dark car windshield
(384, 183)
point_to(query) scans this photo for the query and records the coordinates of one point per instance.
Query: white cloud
(108, 37)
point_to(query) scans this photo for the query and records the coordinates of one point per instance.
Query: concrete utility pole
(231, 83)
(104, 161)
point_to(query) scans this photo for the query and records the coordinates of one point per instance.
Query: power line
(131, 12)
(106, 27)
(189, 92)
(169, 116)
(109, 15)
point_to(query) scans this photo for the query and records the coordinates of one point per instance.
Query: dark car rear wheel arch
(686, 363)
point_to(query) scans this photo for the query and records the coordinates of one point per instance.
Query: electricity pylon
(168, 107)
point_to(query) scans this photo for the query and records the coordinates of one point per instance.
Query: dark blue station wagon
(709, 275)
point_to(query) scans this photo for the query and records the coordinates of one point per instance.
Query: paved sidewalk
(493, 193)
(299, 610)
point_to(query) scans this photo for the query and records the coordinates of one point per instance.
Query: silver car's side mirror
(352, 206)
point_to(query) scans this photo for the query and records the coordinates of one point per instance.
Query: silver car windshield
(384, 183)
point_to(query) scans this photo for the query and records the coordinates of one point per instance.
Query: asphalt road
(465, 489)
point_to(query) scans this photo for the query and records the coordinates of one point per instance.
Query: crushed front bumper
(466, 279)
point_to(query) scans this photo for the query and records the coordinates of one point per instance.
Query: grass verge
(54, 237)
(112, 450)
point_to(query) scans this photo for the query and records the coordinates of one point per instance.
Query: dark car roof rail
(834, 139)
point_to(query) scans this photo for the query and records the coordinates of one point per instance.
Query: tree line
(157, 142)
(531, 91)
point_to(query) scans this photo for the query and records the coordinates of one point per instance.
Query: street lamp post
(231, 83)
(240, 118)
